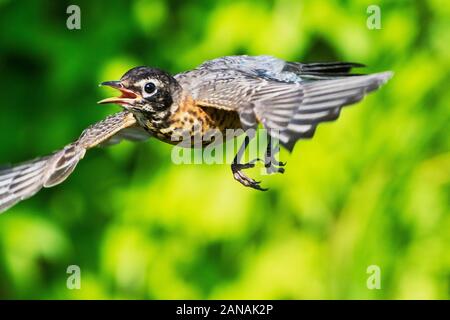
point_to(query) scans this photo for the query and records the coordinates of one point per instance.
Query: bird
(288, 99)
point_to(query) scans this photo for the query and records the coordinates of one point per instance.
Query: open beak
(127, 97)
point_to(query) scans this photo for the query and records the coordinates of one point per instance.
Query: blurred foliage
(370, 188)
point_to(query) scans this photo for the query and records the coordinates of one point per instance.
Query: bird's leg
(272, 165)
(237, 167)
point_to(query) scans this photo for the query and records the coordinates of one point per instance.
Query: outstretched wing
(134, 133)
(24, 180)
(296, 114)
(289, 110)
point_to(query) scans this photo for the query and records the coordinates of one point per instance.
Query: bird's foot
(241, 177)
(274, 166)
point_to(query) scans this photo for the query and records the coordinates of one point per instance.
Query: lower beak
(127, 96)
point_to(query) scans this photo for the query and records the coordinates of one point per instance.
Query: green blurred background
(370, 189)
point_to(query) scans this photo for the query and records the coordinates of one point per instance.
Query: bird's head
(144, 89)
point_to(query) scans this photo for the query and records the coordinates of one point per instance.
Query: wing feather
(323, 100)
(294, 108)
(24, 180)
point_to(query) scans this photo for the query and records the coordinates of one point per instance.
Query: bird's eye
(150, 88)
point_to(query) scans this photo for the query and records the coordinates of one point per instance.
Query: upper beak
(126, 98)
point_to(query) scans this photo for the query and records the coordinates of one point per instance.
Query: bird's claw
(274, 166)
(245, 180)
(274, 169)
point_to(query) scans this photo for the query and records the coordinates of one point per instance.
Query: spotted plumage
(289, 99)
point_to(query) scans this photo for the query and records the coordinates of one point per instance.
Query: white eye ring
(150, 89)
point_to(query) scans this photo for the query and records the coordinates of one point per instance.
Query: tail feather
(322, 68)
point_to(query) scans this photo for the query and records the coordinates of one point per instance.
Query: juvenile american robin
(289, 99)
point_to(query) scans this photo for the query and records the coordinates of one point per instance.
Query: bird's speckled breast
(194, 121)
